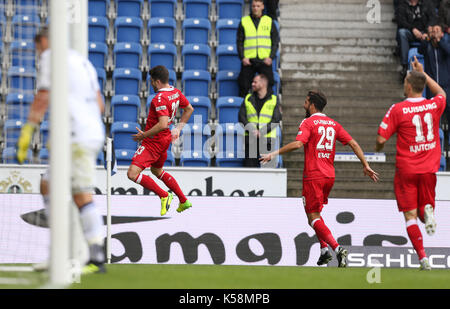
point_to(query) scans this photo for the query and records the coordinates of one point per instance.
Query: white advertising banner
(234, 231)
(214, 181)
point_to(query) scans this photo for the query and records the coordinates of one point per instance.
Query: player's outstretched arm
(287, 148)
(360, 154)
(379, 144)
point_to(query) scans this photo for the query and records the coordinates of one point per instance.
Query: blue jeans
(405, 37)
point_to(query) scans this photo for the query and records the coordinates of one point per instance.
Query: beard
(307, 113)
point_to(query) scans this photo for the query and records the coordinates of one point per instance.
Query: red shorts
(315, 193)
(152, 153)
(414, 190)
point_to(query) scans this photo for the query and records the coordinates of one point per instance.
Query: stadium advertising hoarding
(235, 231)
(205, 182)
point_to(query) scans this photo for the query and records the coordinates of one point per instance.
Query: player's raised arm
(360, 154)
(432, 85)
(285, 149)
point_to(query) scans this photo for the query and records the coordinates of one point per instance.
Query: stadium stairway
(330, 45)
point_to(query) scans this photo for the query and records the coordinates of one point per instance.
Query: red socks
(172, 184)
(150, 184)
(324, 234)
(416, 238)
(323, 243)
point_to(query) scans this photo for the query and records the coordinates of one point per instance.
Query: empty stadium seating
(21, 78)
(98, 29)
(196, 57)
(196, 31)
(162, 8)
(121, 132)
(125, 108)
(9, 156)
(227, 58)
(129, 7)
(227, 85)
(196, 83)
(127, 55)
(162, 54)
(22, 54)
(127, 81)
(202, 109)
(196, 8)
(128, 29)
(162, 29)
(226, 31)
(18, 105)
(228, 109)
(98, 54)
(124, 156)
(25, 27)
(98, 7)
(229, 9)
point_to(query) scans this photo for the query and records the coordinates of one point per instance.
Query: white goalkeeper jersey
(86, 123)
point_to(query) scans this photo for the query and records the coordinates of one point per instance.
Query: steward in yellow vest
(260, 114)
(257, 41)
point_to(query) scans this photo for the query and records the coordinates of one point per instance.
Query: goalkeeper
(87, 137)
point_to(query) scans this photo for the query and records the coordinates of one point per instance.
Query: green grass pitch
(143, 276)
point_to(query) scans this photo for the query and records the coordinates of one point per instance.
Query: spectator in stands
(271, 8)
(436, 51)
(444, 15)
(257, 42)
(261, 114)
(414, 18)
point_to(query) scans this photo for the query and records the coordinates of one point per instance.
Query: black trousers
(247, 73)
(253, 150)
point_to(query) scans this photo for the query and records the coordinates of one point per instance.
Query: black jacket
(427, 15)
(258, 104)
(240, 37)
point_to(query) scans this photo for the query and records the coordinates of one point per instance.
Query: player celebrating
(157, 138)
(416, 122)
(318, 133)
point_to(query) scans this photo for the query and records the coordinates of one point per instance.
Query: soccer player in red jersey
(318, 134)
(156, 139)
(416, 122)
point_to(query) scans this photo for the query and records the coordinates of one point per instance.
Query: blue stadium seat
(9, 156)
(443, 164)
(229, 137)
(26, 7)
(172, 81)
(196, 8)
(18, 105)
(196, 57)
(101, 75)
(98, 54)
(129, 7)
(228, 109)
(22, 54)
(227, 58)
(25, 27)
(12, 130)
(202, 109)
(44, 156)
(125, 108)
(127, 55)
(121, 132)
(162, 54)
(127, 81)
(98, 29)
(195, 159)
(195, 136)
(124, 156)
(196, 83)
(229, 9)
(128, 29)
(98, 7)
(162, 29)
(226, 30)
(227, 84)
(44, 128)
(196, 30)
(276, 84)
(162, 8)
(101, 158)
(21, 79)
(229, 145)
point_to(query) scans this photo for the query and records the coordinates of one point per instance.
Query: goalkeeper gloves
(24, 141)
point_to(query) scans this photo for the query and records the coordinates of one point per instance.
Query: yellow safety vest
(265, 115)
(257, 43)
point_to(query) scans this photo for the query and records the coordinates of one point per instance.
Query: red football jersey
(416, 121)
(319, 133)
(165, 103)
